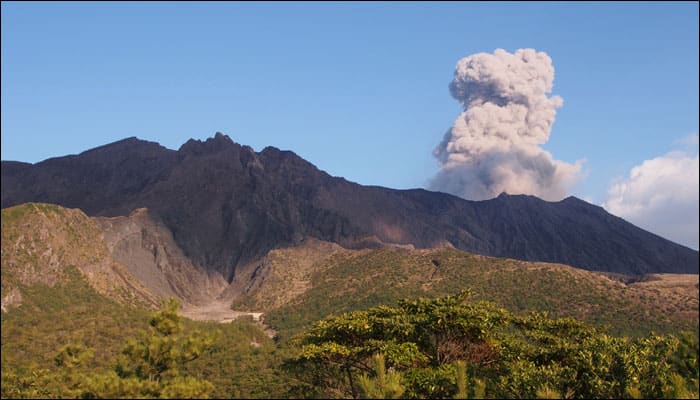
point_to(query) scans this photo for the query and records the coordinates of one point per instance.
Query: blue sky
(358, 89)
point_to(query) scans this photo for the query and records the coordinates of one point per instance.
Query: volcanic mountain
(227, 205)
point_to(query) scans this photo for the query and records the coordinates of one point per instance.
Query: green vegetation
(43, 341)
(382, 385)
(148, 365)
(354, 281)
(380, 323)
(39, 242)
(451, 347)
(67, 341)
(146, 368)
(69, 312)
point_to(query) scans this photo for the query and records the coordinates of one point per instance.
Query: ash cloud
(494, 145)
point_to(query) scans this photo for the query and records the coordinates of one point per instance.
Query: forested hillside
(386, 322)
(449, 347)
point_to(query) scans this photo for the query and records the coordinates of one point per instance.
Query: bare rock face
(147, 249)
(227, 206)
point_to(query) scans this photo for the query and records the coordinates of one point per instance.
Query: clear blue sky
(358, 89)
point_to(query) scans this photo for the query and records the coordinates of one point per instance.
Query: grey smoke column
(494, 145)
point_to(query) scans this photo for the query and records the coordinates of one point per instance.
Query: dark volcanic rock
(227, 205)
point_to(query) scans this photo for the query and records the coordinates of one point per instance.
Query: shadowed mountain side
(227, 206)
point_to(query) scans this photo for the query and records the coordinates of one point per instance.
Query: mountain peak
(121, 149)
(118, 145)
(214, 144)
(573, 199)
(220, 137)
(227, 206)
(515, 197)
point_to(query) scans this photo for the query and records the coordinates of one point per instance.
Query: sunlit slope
(343, 280)
(42, 242)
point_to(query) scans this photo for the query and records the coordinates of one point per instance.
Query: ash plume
(494, 145)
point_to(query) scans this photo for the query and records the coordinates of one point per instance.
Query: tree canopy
(450, 346)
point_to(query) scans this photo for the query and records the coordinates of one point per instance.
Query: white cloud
(661, 196)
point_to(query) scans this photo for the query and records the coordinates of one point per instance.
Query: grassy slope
(27, 235)
(355, 280)
(39, 242)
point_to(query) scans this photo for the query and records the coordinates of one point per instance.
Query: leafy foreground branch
(452, 348)
(148, 367)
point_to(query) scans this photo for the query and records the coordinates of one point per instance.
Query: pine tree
(149, 365)
(462, 392)
(383, 385)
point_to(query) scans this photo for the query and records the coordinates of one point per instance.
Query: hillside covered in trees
(449, 347)
(386, 322)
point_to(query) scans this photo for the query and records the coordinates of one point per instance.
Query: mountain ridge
(227, 205)
(134, 261)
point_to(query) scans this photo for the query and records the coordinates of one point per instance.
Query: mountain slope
(132, 259)
(44, 244)
(146, 248)
(227, 206)
(48, 250)
(299, 285)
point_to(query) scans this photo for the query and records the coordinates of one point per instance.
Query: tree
(383, 385)
(422, 337)
(148, 366)
(450, 347)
